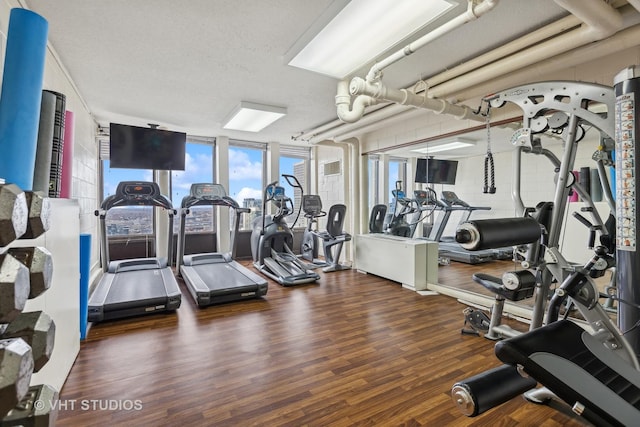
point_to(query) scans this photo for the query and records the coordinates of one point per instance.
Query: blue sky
(245, 173)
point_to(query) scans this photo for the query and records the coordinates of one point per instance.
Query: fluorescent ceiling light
(444, 147)
(252, 117)
(363, 30)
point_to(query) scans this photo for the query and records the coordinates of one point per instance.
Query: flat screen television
(433, 171)
(133, 147)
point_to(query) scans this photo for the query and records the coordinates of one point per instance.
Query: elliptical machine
(396, 222)
(272, 239)
(333, 237)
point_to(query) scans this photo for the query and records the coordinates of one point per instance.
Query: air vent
(332, 168)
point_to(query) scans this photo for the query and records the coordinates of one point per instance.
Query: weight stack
(57, 148)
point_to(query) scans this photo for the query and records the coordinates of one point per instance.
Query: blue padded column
(21, 96)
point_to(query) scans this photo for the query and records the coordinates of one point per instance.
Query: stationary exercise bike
(333, 238)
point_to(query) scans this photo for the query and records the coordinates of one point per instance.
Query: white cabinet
(412, 262)
(62, 300)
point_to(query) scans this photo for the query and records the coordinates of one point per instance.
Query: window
(245, 179)
(126, 220)
(397, 172)
(296, 164)
(198, 168)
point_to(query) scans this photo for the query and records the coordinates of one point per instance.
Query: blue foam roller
(21, 96)
(85, 271)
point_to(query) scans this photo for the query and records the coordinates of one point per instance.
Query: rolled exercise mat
(67, 156)
(596, 186)
(45, 142)
(21, 96)
(497, 233)
(55, 170)
(585, 179)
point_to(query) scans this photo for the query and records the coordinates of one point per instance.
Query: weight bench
(594, 381)
(597, 383)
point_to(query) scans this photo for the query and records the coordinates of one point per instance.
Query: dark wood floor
(352, 350)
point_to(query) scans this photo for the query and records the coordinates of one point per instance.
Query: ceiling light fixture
(251, 117)
(453, 145)
(363, 30)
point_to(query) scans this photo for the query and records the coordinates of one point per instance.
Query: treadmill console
(207, 191)
(137, 190)
(452, 199)
(422, 197)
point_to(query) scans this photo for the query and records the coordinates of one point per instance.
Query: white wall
(85, 164)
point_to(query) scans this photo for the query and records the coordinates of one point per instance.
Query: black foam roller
(42, 168)
(584, 179)
(596, 186)
(55, 172)
(489, 389)
(497, 233)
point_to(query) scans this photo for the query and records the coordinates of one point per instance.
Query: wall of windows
(247, 172)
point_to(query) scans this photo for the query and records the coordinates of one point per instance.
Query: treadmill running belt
(141, 287)
(221, 277)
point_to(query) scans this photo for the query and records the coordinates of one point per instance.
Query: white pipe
(600, 18)
(346, 112)
(540, 52)
(500, 52)
(544, 33)
(472, 13)
(598, 29)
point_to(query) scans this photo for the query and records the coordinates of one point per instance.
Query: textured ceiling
(186, 64)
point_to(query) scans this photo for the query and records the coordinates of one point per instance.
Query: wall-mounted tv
(433, 171)
(134, 147)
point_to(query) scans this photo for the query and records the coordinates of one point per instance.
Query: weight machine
(596, 374)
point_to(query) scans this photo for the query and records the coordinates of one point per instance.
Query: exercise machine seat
(580, 370)
(376, 220)
(334, 235)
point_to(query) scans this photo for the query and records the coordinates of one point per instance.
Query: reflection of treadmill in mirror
(137, 286)
(447, 246)
(214, 278)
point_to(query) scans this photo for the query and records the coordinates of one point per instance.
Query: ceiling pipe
(541, 34)
(371, 91)
(624, 39)
(472, 13)
(347, 112)
(603, 21)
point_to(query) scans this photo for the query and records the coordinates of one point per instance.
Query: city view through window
(245, 186)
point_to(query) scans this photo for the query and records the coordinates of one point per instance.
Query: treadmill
(214, 278)
(447, 246)
(139, 286)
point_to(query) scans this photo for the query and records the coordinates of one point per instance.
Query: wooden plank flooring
(352, 350)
